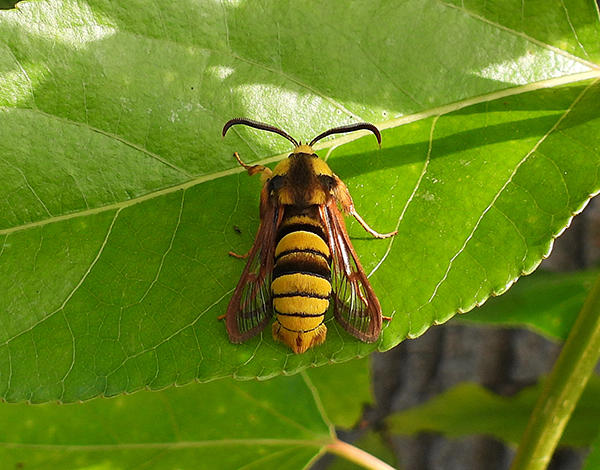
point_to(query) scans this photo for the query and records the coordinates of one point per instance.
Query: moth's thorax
(303, 179)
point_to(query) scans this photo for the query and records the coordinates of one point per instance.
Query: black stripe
(301, 294)
(277, 274)
(301, 314)
(304, 250)
(306, 265)
(300, 331)
(286, 229)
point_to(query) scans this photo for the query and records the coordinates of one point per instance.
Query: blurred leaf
(593, 459)
(119, 197)
(223, 424)
(344, 390)
(547, 302)
(471, 409)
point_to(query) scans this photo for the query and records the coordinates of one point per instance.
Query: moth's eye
(275, 183)
(327, 181)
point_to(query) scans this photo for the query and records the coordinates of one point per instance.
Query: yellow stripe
(290, 283)
(302, 219)
(299, 304)
(299, 323)
(302, 240)
(320, 167)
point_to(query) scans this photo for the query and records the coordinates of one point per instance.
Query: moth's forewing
(355, 304)
(251, 306)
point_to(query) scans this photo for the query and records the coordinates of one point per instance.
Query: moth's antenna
(258, 125)
(349, 128)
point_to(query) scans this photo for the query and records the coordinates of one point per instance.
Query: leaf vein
(560, 173)
(319, 404)
(10, 51)
(575, 35)
(266, 458)
(501, 190)
(73, 347)
(518, 230)
(268, 407)
(31, 189)
(412, 195)
(172, 335)
(167, 445)
(521, 34)
(108, 134)
(167, 251)
(77, 286)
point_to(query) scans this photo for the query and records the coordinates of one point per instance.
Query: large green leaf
(224, 424)
(119, 198)
(471, 409)
(283, 423)
(546, 302)
(344, 389)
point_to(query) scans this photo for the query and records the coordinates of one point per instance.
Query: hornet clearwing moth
(302, 258)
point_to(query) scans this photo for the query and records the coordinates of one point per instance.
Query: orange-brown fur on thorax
(303, 179)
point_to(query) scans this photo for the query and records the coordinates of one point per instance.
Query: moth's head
(302, 148)
(303, 178)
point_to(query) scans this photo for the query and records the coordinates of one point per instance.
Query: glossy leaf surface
(118, 199)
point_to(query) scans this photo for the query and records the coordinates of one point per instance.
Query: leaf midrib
(172, 445)
(335, 142)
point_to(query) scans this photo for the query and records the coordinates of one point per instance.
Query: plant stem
(562, 388)
(356, 455)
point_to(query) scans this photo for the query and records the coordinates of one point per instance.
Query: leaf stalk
(562, 388)
(356, 455)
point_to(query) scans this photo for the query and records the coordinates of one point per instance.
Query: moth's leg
(383, 317)
(235, 255)
(342, 196)
(253, 169)
(364, 225)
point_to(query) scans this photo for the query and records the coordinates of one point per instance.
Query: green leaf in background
(344, 390)
(593, 459)
(546, 302)
(469, 409)
(118, 197)
(223, 424)
(282, 423)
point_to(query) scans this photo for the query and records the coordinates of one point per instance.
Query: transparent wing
(251, 306)
(355, 305)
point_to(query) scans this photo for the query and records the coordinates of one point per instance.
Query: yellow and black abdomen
(301, 285)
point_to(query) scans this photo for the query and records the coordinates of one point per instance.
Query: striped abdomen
(301, 283)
